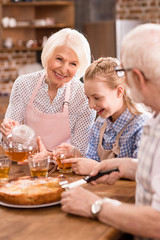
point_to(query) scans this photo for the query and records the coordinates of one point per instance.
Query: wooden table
(51, 223)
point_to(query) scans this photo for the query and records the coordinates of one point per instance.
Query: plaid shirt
(129, 140)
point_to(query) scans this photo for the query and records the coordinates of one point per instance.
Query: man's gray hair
(141, 49)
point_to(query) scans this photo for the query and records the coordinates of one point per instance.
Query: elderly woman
(52, 101)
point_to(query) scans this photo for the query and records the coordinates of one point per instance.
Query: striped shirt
(81, 118)
(148, 174)
(129, 140)
(148, 171)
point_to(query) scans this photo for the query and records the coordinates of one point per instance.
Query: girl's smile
(106, 101)
(100, 112)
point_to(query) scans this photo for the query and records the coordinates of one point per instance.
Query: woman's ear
(120, 91)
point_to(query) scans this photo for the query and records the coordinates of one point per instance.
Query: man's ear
(138, 79)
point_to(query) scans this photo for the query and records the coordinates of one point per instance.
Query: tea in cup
(63, 167)
(5, 165)
(64, 153)
(39, 165)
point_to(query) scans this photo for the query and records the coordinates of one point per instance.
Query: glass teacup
(39, 165)
(62, 153)
(5, 164)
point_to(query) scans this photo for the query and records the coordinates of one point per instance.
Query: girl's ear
(120, 91)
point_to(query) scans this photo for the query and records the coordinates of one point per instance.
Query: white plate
(29, 206)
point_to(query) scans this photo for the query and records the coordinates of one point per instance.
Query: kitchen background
(26, 24)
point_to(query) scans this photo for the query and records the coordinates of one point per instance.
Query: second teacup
(5, 164)
(39, 165)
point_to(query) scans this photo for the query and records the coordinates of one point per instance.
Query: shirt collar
(119, 124)
(45, 87)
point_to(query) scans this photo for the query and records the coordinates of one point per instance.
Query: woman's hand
(78, 201)
(42, 151)
(81, 166)
(7, 125)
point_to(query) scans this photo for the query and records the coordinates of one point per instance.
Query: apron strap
(67, 95)
(36, 88)
(116, 148)
(120, 133)
(102, 132)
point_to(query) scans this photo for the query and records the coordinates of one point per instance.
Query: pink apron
(107, 154)
(53, 129)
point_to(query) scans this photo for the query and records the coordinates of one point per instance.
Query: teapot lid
(23, 134)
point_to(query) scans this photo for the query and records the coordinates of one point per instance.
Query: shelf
(20, 49)
(38, 3)
(60, 25)
(60, 14)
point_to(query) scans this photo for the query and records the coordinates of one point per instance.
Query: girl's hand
(66, 149)
(127, 169)
(81, 166)
(106, 165)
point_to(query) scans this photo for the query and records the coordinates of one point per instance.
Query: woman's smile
(63, 66)
(59, 76)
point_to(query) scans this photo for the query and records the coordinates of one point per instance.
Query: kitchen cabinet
(102, 38)
(25, 24)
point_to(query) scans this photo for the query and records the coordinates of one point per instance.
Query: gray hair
(141, 49)
(75, 41)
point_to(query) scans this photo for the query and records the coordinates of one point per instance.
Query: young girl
(117, 130)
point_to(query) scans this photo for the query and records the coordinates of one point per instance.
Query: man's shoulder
(152, 126)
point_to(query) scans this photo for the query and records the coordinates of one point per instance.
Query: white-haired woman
(52, 101)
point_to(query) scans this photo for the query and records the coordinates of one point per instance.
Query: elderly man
(140, 59)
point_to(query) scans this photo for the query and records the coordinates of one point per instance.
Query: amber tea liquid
(4, 173)
(39, 172)
(64, 167)
(18, 156)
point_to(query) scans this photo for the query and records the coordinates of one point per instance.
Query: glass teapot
(20, 143)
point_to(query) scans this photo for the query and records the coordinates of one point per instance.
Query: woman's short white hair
(140, 49)
(75, 41)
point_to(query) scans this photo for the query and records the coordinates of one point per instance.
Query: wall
(10, 64)
(87, 12)
(148, 10)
